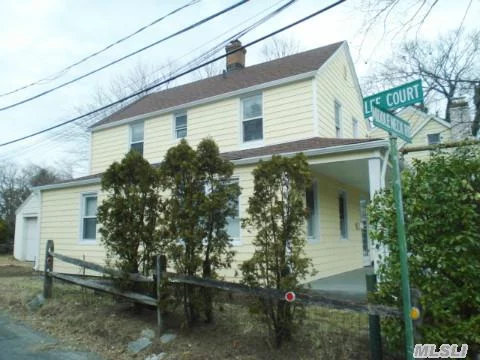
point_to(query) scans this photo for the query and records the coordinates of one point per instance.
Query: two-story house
(310, 102)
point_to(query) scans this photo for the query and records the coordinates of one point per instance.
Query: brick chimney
(237, 59)
(460, 119)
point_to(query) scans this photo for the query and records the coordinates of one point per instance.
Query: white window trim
(130, 142)
(253, 143)
(316, 224)
(340, 125)
(174, 125)
(341, 191)
(81, 240)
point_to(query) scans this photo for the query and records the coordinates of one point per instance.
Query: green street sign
(391, 123)
(404, 95)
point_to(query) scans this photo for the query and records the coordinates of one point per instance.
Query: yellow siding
(108, 145)
(60, 222)
(288, 112)
(335, 81)
(331, 254)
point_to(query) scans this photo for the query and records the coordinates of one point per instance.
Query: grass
(83, 319)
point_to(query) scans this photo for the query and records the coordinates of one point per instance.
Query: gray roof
(285, 67)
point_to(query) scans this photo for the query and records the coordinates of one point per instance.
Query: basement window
(252, 118)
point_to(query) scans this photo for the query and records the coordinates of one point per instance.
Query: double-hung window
(252, 118)
(180, 125)
(233, 222)
(342, 214)
(89, 217)
(338, 119)
(312, 208)
(136, 137)
(433, 139)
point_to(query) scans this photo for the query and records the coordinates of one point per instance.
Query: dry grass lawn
(83, 319)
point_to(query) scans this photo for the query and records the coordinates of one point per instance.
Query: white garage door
(31, 238)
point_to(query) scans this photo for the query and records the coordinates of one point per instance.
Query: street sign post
(391, 123)
(400, 96)
(378, 107)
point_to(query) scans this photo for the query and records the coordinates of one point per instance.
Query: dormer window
(252, 118)
(433, 139)
(136, 137)
(180, 126)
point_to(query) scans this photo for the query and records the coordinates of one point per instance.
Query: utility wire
(198, 23)
(335, 4)
(66, 132)
(64, 70)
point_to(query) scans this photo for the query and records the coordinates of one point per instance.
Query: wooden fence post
(161, 267)
(374, 323)
(48, 279)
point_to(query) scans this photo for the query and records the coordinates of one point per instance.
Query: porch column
(376, 182)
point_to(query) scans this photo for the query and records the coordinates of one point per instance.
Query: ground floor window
(312, 208)
(89, 217)
(342, 214)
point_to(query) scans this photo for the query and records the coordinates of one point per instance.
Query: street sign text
(391, 123)
(400, 96)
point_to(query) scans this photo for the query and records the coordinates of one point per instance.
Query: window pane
(180, 121)
(89, 228)
(137, 132)
(137, 147)
(355, 128)
(252, 107)
(433, 139)
(233, 227)
(252, 130)
(342, 208)
(90, 206)
(310, 202)
(181, 133)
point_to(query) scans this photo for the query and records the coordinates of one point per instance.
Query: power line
(198, 23)
(178, 75)
(64, 70)
(55, 137)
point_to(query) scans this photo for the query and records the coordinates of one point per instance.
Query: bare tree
(209, 70)
(278, 47)
(448, 66)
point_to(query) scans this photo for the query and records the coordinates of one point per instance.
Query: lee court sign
(406, 94)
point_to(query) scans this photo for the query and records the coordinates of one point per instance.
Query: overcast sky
(38, 38)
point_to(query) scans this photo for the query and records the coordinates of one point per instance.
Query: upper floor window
(342, 214)
(136, 137)
(338, 119)
(312, 208)
(355, 128)
(433, 139)
(252, 120)
(180, 126)
(89, 217)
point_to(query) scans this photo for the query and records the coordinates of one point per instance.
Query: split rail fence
(316, 298)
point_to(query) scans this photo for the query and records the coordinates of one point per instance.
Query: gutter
(298, 77)
(316, 152)
(72, 183)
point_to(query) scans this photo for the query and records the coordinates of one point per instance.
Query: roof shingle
(235, 80)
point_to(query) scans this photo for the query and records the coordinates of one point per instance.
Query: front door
(31, 238)
(364, 230)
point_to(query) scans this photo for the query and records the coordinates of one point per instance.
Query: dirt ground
(105, 325)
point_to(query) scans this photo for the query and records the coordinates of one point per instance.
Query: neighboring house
(428, 129)
(309, 102)
(26, 245)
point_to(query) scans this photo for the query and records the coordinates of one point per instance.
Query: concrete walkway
(350, 284)
(18, 341)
